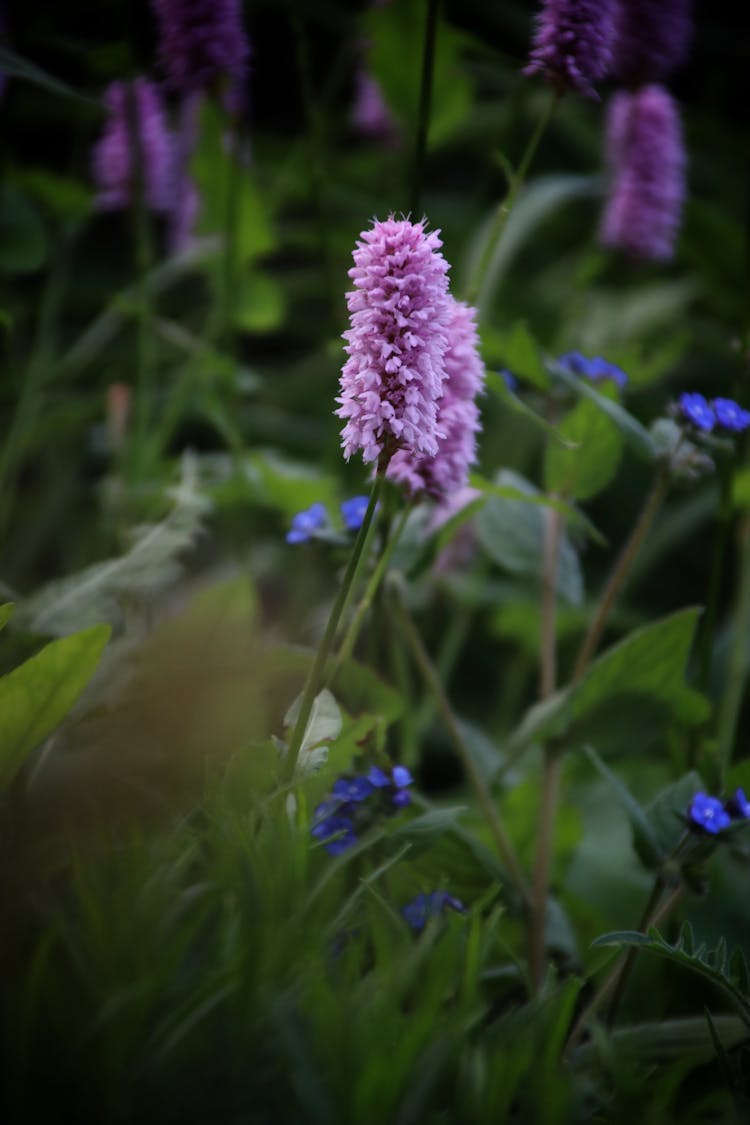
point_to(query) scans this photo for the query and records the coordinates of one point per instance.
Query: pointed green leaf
(638, 438)
(647, 843)
(5, 613)
(36, 696)
(587, 462)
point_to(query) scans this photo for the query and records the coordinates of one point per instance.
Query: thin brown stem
(620, 571)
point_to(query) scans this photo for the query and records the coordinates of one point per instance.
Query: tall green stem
(315, 676)
(487, 805)
(476, 293)
(425, 104)
(350, 638)
(645, 519)
(718, 553)
(552, 754)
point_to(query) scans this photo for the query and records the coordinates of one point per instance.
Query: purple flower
(353, 512)
(652, 37)
(573, 44)
(201, 42)
(647, 174)
(370, 115)
(730, 415)
(738, 806)
(696, 409)
(396, 783)
(708, 813)
(395, 374)
(447, 471)
(113, 157)
(306, 523)
(423, 907)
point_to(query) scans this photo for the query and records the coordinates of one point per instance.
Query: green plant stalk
(425, 105)
(486, 804)
(350, 637)
(143, 259)
(315, 676)
(619, 573)
(476, 290)
(552, 755)
(708, 630)
(736, 679)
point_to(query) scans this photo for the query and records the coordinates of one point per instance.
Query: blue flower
(708, 813)
(352, 789)
(397, 783)
(423, 907)
(696, 409)
(336, 832)
(509, 379)
(353, 512)
(730, 415)
(305, 524)
(738, 806)
(596, 368)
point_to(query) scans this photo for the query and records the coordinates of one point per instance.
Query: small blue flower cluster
(711, 815)
(338, 817)
(722, 413)
(595, 368)
(305, 524)
(423, 907)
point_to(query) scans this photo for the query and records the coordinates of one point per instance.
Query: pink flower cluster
(408, 386)
(114, 173)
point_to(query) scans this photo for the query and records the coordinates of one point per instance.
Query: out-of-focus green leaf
(23, 240)
(259, 304)
(37, 695)
(5, 613)
(63, 196)
(647, 843)
(587, 464)
(519, 352)
(18, 67)
(512, 533)
(638, 438)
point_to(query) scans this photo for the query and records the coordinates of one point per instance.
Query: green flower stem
(432, 680)
(425, 104)
(315, 676)
(350, 638)
(736, 678)
(647, 515)
(552, 754)
(476, 293)
(653, 915)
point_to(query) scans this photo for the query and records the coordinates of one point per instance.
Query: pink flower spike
(400, 314)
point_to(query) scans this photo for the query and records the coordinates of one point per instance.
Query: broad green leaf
(589, 460)
(512, 533)
(638, 438)
(665, 1040)
(665, 818)
(259, 303)
(647, 843)
(5, 613)
(651, 662)
(36, 696)
(429, 825)
(521, 355)
(727, 973)
(510, 492)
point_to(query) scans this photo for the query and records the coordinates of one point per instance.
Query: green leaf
(37, 695)
(521, 355)
(5, 613)
(647, 845)
(665, 817)
(23, 240)
(510, 492)
(324, 725)
(429, 825)
(259, 303)
(512, 533)
(651, 662)
(589, 460)
(729, 974)
(19, 67)
(666, 1040)
(638, 438)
